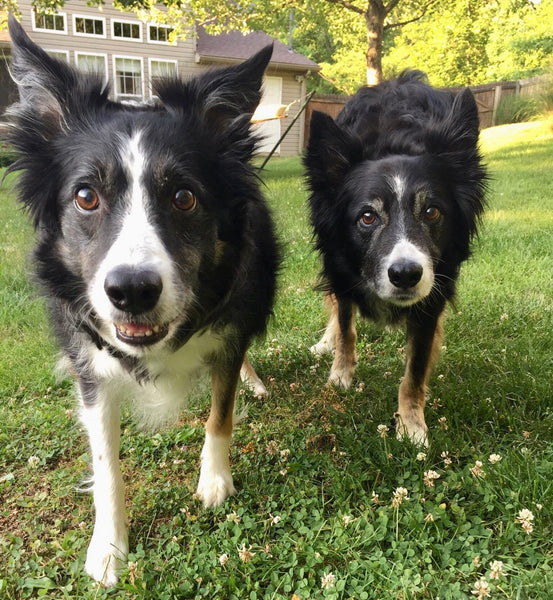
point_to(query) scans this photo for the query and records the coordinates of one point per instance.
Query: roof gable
(235, 46)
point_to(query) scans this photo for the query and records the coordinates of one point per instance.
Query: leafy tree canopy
(457, 42)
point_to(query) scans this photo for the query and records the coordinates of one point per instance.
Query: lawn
(328, 505)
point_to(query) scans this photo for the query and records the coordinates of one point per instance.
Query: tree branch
(348, 6)
(425, 10)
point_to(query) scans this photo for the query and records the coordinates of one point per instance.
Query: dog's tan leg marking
(251, 379)
(327, 343)
(107, 551)
(215, 484)
(423, 348)
(345, 357)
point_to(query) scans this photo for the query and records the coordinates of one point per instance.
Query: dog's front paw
(214, 487)
(341, 377)
(321, 348)
(215, 484)
(411, 427)
(256, 387)
(105, 560)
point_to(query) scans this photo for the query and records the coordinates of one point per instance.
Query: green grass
(309, 455)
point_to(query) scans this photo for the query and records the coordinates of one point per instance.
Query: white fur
(107, 552)
(137, 244)
(155, 401)
(404, 249)
(215, 484)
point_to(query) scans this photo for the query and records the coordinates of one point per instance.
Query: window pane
(128, 76)
(162, 68)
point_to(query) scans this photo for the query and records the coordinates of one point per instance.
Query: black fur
(403, 126)
(67, 131)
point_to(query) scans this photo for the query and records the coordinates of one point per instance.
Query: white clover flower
(495, 458)
(400, 495)
(285, 454)
(275, 520)
(421, 456)
(482, 589)
(477, 470)
(525, 518)
(223, 559)
(233, 517)
(347, 519)
(328, 581)
(33, 462)
(383, 430)
(430, 477)
(245, 554)
(429, 518)
(496, 569)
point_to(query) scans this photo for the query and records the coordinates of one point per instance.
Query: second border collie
(397, 188)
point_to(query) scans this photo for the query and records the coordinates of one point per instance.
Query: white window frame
(128, 96)
(58, 51)
(156, 59)
(55, 14)
(150, 41)
(97, 54)
(92, 35)
(126, 39)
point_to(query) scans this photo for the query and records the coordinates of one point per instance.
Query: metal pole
(303, 107)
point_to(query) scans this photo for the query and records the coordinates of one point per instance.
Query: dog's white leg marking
(215, 484)
(327, 343)
(345, 357)
(107, 552)
(251, 380)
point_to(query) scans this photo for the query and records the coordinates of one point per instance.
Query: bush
(7, 154)
(517, 109)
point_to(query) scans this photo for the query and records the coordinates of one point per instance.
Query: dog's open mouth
(140, 334)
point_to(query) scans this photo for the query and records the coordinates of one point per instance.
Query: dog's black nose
(405, 274)
(133, 290)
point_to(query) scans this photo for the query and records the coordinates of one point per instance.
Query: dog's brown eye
(432, 213)
(368, 218)
(87, 199)
(184, 200)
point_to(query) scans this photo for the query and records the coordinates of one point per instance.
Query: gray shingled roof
(235, 46)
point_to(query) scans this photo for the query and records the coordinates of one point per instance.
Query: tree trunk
(375, 16)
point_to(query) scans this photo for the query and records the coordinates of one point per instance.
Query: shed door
(270, 130)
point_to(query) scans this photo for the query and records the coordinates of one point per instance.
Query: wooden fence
(487, 98)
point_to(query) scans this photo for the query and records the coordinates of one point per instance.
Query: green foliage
(316, 483)
(7, 155)
(516, 109)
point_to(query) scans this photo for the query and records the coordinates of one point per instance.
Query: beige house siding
(73, 45)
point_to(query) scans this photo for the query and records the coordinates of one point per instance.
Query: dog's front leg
(345, 357)
(424, 337)
(107, 552)
(215, 484)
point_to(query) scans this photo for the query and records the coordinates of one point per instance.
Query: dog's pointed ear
(221, 95)
(454, 141)
(48, 87)
(458, 130)
(331, 152)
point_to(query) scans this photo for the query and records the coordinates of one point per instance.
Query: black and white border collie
(156, 253)
(397, 188)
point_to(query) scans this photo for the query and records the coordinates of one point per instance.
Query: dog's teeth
(148, 333)
(156, 328)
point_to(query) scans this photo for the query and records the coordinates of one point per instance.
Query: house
(130, 53)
